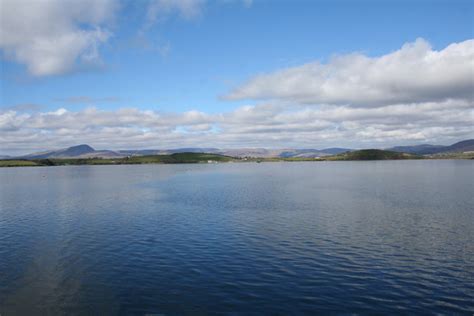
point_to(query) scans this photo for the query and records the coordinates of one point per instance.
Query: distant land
(459, 147)
(86, 155)
(374, 154)
(86, 151)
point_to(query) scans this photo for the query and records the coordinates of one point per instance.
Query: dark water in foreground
(274, 238)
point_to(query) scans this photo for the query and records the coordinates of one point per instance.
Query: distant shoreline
(201, 158)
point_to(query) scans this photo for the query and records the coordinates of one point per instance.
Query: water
(273, 238)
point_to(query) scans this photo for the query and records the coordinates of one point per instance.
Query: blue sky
(190, 56)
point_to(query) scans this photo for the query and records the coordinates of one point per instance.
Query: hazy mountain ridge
(145, 152)
(424, 149)
(462, 146)
(79, 151)
(427, 149)
(86, 151)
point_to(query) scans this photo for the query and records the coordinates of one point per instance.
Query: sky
(234, 73)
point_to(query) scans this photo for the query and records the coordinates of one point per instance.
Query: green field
(18, 163)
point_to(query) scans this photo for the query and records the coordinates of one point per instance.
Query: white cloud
(52, 37)
(248, 126)
(414, 73)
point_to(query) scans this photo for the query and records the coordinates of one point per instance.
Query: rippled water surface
(274, 238)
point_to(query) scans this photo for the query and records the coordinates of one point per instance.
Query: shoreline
(15, 163)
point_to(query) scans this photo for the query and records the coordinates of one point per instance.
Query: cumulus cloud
(52, 37)
(271, 126)
(414, 73)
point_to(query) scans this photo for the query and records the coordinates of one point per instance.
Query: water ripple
(300, 238)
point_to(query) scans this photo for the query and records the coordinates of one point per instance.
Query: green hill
(373, 154)
(178, 158)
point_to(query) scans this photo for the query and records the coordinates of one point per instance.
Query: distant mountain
(462, 146)
(100, 154)
(282, 153)
(252, 152)
(149, 152)
(427, 149)
(311, 153)
(142, 152)
(335, 151)
(241, 152)
(80, 151)
(86, 151)
(65, 152)
(76, 151)
(303, 153)
(195, 150)
(424, 149)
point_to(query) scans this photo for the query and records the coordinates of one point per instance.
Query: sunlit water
(273, 238)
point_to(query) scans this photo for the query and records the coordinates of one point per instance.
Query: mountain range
(427, 149)
(86, 151)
